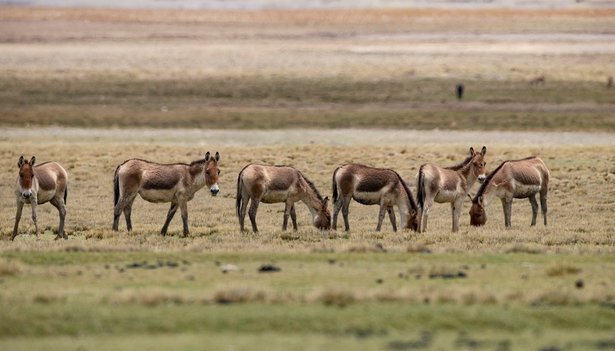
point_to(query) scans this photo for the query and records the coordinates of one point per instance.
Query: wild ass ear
(217, 157)
(470, 196)
(471, 151)
(20, 162)
(207, 156)
(483, 151)
(325, 201)
(32, 160)
(480, 200)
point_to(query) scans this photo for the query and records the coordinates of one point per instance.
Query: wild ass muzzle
(176, 183)
(516, 179)
(275, 184)
(36, 185)
(373, 186)
(450, 184)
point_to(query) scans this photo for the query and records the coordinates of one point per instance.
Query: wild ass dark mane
(459, 165)
(312, 186)
(407, 190)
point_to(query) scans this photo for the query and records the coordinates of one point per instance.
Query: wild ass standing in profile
(274, 184)
(175, 183)
(373, 186)
(46, 182)
(517, 179)
(450, 184)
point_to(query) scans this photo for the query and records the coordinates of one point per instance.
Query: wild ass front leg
(456, 211)
(507, 208)
(170, 215)
(17, 219)
(184, 210)
(392, 218)
(293, 217)
(33, 202)
(381, 213)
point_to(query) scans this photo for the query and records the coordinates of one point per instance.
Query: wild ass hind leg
(242, 211)
(543, 205)
(391, 212)
(425, 214)
(120, 207)
(293, 217)
(288, 205)
(17, 219)
(170, 215)
(534, 204)
(337, 206)
(128, 212)
(345, 211)
(58, 203)
(252, 213)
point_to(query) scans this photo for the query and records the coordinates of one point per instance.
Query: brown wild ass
(46, 182)
(517, 179)
(450, 184)
(373, 186)
(275, 184)
(175, 183)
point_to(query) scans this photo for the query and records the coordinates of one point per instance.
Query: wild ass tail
(239, 196)
(420, 188)
(116, 187)
(334, 186)
(65, 194)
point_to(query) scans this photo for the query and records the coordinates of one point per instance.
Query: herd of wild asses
(177, 183)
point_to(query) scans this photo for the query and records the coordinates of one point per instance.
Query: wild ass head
(26, 174)
(322, 220)
(478, 215)
(478, 164)
(413, 220)
(212, 172)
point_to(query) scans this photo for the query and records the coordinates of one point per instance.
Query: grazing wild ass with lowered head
(373, 186)
(46, 182)
(175, 183)
(275, 184)
(517, 179)
(450, 184)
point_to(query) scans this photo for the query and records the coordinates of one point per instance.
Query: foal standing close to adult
(275, 184)
(175, 183)
(47, 182)
(450, 184)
